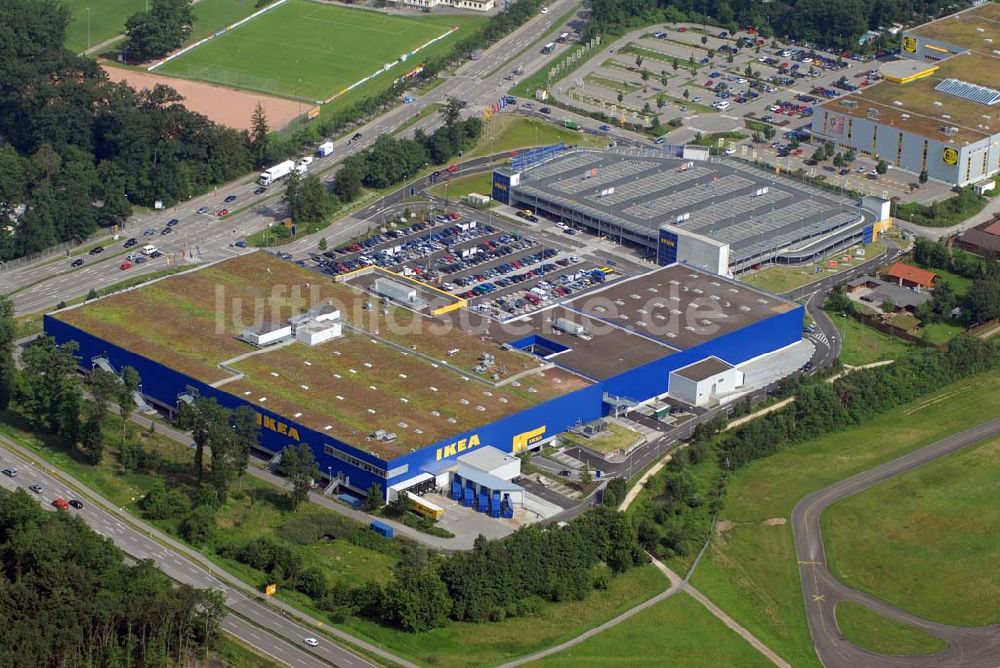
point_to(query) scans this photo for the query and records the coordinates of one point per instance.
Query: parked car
(131, 242)
(10, 472)
(166, 230)
(148, 233)
(78, 262)
(125, 265)
(240, 244)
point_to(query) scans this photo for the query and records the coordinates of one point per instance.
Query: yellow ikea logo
(910, 44)
(461, 445)
(523, 440)
(949, 156)
(278, 427)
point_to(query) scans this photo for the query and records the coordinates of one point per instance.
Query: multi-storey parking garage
(716, 214)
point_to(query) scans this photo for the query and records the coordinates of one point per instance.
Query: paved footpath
(972, 647)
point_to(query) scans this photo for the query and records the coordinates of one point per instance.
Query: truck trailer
(280, 171)
(325, 149)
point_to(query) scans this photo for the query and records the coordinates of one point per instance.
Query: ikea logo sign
(523, 440)
(461, 445)
(277, 426)
(666, 241)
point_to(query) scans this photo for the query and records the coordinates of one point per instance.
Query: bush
(199, 526)
(159, 503)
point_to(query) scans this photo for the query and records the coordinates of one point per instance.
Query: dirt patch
(722, 526)
(223, 105)
(775, 522)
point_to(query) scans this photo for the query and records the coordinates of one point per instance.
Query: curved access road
(969, 647)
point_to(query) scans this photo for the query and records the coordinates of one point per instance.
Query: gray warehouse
(938, 109)
(717, 214)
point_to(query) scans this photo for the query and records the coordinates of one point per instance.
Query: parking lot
(503, 271)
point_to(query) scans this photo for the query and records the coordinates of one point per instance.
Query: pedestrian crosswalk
(820, 337)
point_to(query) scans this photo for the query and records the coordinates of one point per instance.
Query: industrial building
(938, 108)
(410, 400)
(678, 205)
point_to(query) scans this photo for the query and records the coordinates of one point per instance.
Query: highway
(268, 627)
(967, 647)
(206, 238)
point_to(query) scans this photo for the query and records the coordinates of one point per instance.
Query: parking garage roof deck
(637, 320)
(651, 189)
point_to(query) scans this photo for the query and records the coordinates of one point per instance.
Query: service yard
(311, 51)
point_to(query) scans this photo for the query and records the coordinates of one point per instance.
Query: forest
(77, 151)
(67, 598)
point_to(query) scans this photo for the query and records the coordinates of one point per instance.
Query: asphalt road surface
(257, 624)
(967, 647)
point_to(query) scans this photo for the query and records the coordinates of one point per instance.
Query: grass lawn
(940, 332)
(461, 186)
(750, 570)
(107, 19)
(513, 132)
(461, 644)
(615, 438)
(612, 84)
(308, 50)
(939, 519)
(213, 15)
(526, 87)
(652, 54)
(674, 632)
(870, 630)
(779, 279)
(863, 344)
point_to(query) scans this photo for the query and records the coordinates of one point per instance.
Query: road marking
(817, 563)
(819, 598)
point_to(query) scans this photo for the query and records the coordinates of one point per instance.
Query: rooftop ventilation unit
(897, 103)
(873, 113)
(950, 130)
(849, 104)
(904, 116)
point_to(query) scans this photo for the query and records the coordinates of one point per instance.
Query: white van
(722, 105)
(148, 249)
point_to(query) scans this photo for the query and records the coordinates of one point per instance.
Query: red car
(452, 168)
(60, 504)
(125, 265)
(454, 215)
(221, 213)
(682, 29)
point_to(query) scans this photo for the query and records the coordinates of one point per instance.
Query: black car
(231, 198)
(546, 110)
(172, 222)
(166, 230)
(97, 250)
(260, 191)
(131, 242)
(285, 256)
(566, 472)
(156, 254)
(76, 504)
(78, 262)
(357, 136)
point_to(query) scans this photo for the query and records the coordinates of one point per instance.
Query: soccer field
(307, 50)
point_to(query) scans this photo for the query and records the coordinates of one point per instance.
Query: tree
(664, 78)
(691, 60)
(48, 392)
(638, 61)
(92, 294)
(451, 111)
(661, 101)
(246, 435)
(838, 160)
(259, 138)
(160, 30)
(126, 387)
(982, 300)
(374, 499)
(299, 466)
(615, 492)
(308, 200)
(199, 526)
(322, 244)
(704, 39)
(348, 184)
(92, 439)
(620, 97)
(922, 177)
(208, 423)
(769, 131)
(888, 306)
(586, 477)
(686, 94)
(644, 74)
(8, 335)
(881, 166)
(675, 63)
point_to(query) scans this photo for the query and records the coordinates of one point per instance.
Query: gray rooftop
(704, 369)
(900, 296)
(652, 189)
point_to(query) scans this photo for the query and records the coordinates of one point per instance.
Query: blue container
(382, 529)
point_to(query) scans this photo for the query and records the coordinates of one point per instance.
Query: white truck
(280, 171)
(325, 149)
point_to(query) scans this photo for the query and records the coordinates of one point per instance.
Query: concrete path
(967, 647)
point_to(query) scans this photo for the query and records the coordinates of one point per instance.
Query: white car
(545, 10)
(312, 642)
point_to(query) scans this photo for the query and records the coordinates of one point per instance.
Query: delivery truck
(325, 149)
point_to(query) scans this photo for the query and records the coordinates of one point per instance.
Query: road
(266, 627)
(967, 647)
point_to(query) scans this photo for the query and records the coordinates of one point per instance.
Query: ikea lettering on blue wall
(277, 427)
(667, 252)
(461, 445)
(501, 187)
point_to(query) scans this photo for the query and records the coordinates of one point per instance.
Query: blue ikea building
(623, 339)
